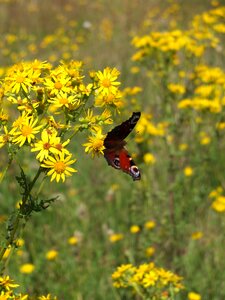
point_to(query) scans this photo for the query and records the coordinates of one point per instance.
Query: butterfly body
(115, 152)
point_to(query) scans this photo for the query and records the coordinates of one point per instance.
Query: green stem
(138, 291)
(10, 240)
(40, 170)
(6, 169)
(16, 223)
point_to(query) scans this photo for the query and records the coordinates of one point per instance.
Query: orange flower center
(58, 85)
(26, 130)
(97, 144)
(6, 138)
(60, 167)
(63, 101)
(46, 146)
(109, 99)
(20, 79)
(106, 82)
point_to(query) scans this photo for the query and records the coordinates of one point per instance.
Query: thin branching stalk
(16, 223)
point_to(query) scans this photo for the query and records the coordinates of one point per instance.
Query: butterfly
(115, 153)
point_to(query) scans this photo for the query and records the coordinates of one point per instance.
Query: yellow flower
(64, 100)
(183, 147)
(20, 252)
(115, 237)
(45, 145)
(27, 268)
(215, 193)
(48, 144)
(4, 138)
(104, 118)
(19, 242)
(18, 80)
(59, 166)
(7, 252)
(135, 70)
(47, 297)
(3, 117)
(150, 225)
(57, 84)
(122, 275)
(121, 270)
(150, 278)
(185, 103)
(109, 100)
(176, 88)
(51, 255)
(194, 296)
(132, 90)
(197, 235)
(135, 229)
(220, 125)
(20, 121)
(204, 90)
(73, 240)
(149, 158)
(204, 138)
(107, 81)
(7, 283)
(188, 171)
(219, 28)
(149, 251)
(85, 89)
(146, 276)
(95, 144)
(27, 131)
(219, 204)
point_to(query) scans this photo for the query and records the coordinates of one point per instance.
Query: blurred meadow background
(170, 55)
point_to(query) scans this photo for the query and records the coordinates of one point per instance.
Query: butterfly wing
(119, 133)
(115, 153)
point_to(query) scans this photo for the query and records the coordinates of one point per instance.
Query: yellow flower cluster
(208, 24)
(193, 41)
(44, 108)
(7, 291)
(162, 41)
(147, 280)
(218, 203)
(209, 90)
(146, 127)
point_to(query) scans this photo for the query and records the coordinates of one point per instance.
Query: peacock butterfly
(115, 153)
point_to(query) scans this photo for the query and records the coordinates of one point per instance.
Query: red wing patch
(115, 152)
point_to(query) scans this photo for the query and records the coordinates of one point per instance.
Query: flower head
(115, 237)
(26, 132)
(194, 296)
(219, 204)
(27, 268)
(47, 297)
(95, 144)
(188, 171)
(73, 240)
(59, 166)
(63, 100)
(107, 81)
(150, 225)
(135, 229)
(51, 255)
(48, 144)
(7, 283)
